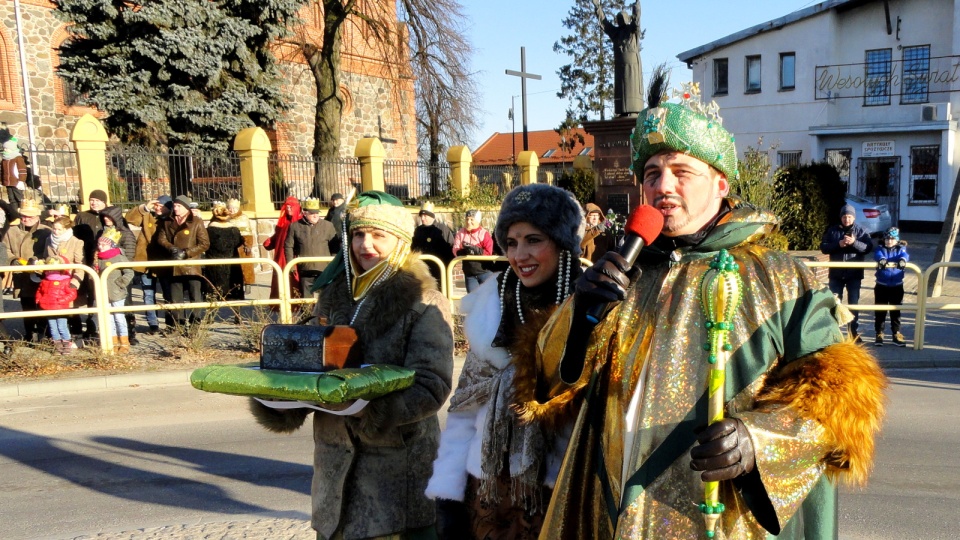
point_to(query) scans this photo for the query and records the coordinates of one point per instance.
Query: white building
(872, 86)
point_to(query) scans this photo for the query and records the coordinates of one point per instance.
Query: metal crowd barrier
(285, 302)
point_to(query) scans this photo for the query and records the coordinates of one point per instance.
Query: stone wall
(371, 103)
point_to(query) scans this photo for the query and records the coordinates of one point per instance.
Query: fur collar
(383, 306)
(482, 308)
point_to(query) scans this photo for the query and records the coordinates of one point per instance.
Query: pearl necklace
(563, 285)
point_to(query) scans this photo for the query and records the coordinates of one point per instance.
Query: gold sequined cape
(786, 331)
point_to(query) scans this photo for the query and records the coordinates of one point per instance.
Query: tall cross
(523, 88)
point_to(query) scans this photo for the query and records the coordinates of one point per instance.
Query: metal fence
(500, 176)
(413, 180)
(304, 176)
(137, 174)
(53, 172)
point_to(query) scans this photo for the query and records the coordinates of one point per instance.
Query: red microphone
(643, 227)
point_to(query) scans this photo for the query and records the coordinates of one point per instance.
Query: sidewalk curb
(86, 384)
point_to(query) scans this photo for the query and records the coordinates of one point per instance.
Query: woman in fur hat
(371, 469)
(225, 282)
(497, 463)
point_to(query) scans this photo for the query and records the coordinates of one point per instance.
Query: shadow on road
(53, 457)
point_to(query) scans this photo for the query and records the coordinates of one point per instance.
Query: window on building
(924, 170)
(753, 75)
(789, 158)
(720, 85)
(585, 151)
(839, 159)
(916, 74)
(757, 158)
(788, 69)
(549, 152)
(877, 77)
(71, 97)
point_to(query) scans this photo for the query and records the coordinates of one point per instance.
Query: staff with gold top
(685, 383)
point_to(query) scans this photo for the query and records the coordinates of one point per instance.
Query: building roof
(499, 148)
(775, 24)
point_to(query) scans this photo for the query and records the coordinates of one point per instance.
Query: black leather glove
(606, 281)
(881, 264)
(725, 451)
(453, 521)
(901, 264)
(32, 260)
(178, 254)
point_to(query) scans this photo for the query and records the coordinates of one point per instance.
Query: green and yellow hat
(688, 127)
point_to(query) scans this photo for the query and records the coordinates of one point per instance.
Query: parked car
(873, 217)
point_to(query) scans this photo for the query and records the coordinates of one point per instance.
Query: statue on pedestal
(628, 70)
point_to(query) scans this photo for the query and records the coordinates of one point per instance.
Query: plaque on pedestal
(617, 186)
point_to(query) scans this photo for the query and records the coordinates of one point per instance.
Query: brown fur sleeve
(842, 388)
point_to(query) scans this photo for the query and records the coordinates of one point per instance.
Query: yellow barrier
(925, 305)
(97, 291)
(285, 302)
(918, 306)
(105, 309)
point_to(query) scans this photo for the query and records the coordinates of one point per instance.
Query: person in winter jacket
(56, 292)
(892, 258)
(371, 468)
(112, 216)
(185, 237)
(87, 227)
(310, 236)
(473, 239)
(847, 242)
(109, 252)
(147, 217)
(13, 173)
(24, 243)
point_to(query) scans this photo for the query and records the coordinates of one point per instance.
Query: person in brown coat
(13, 172)
(25, 243)
(146, 217)
(185, 238)
(370, 469)
(310, 236)
(597, 240)
(242, 222)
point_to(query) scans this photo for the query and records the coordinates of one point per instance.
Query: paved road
(169, 462)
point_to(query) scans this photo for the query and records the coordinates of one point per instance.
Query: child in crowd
(109, 252)
(891, 259)
(55, 292)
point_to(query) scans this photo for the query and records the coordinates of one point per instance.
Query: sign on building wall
(877, 149)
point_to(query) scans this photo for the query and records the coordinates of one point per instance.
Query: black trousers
(187, 288)
(889, 295)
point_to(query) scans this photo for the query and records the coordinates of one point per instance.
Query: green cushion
(331, 387)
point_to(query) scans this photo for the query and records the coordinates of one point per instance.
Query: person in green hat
(800, 405)
(371, 469)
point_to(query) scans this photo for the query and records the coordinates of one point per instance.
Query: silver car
(873, 217)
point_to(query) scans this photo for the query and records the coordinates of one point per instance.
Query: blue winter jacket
(891, 277)
(856, 252)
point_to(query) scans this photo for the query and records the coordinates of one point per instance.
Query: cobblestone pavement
(261, 529)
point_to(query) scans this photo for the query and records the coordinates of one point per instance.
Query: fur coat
(461, 443)
(371, 470)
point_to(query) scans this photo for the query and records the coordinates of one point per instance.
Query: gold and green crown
(312, 204)
(689, 127)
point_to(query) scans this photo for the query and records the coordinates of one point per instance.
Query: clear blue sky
(498, 28)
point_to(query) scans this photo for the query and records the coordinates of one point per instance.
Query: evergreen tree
(587, 81)
(188, 74)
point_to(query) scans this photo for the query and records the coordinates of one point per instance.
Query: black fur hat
(553, 210)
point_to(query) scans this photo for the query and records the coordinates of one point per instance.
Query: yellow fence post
(253, 147)
(529, 164)
(90, 140)
(460, 160)
(371, 154)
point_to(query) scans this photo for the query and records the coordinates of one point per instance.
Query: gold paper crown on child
(111, 234)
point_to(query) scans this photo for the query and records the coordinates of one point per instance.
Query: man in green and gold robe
(802, 406)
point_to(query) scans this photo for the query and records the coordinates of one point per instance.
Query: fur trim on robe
(842, 388)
